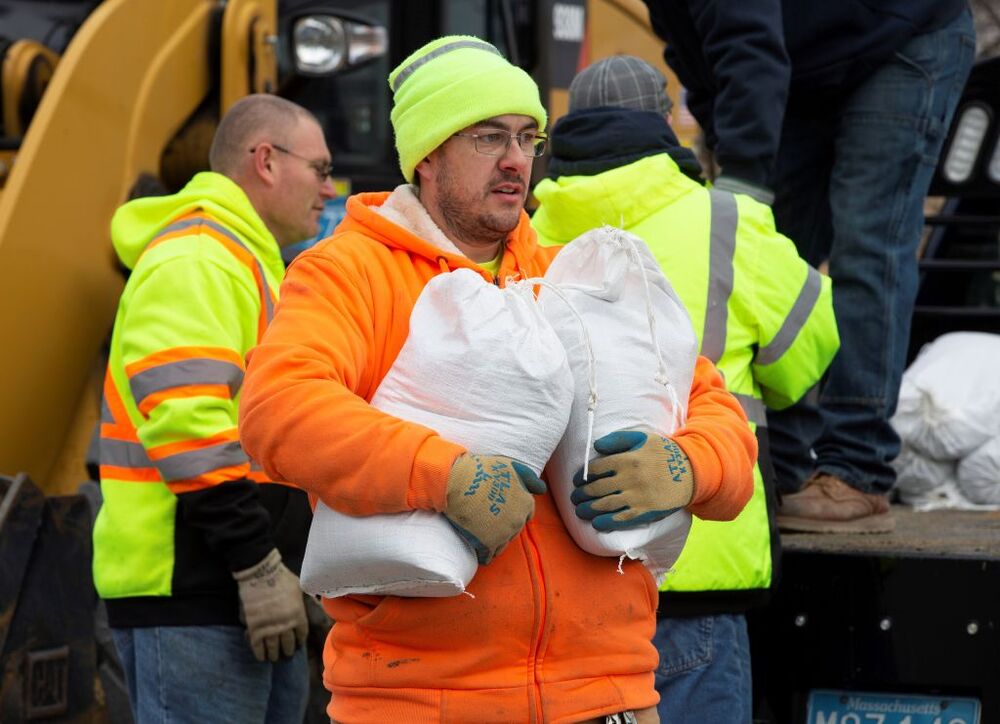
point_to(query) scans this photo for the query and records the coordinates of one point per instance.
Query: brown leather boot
(826, 504)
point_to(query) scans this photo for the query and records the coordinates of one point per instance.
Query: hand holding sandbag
(489, 501)
(640, 477)
(272, 606)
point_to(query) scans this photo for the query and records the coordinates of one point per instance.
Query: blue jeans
(206, 674)
(704, 670)
(850, 183)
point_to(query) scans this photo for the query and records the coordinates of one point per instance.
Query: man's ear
(262, 163)
(426, 168)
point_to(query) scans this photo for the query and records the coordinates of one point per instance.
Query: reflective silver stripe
(437, 52)
(201, 221)
(124, 454)
(722, 251)
(185, 465)
(753, 408)
(794, 322)
(106, 415)
(200, 371)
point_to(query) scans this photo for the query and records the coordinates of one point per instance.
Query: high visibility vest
(134, 531)
(762, 314)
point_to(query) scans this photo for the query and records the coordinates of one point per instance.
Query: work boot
(826, 504)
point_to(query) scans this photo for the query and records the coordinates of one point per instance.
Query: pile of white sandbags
(948, 418)
(607, 345)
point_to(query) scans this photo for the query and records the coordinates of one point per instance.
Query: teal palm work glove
(641, 477)
(489, 501)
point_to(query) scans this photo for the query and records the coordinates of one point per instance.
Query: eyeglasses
(496, 143)
(322, 169)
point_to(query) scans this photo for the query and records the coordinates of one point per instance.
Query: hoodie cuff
(429, 477)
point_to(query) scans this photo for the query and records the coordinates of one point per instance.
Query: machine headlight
(973, 122)
(320, 44)
(323, 44)
(366, 42)
(994, 168)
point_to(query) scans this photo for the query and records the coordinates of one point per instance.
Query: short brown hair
(249, 121)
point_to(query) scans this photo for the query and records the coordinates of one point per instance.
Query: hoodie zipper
(535, 565)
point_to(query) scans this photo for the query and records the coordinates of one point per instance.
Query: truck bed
(914, 612)
(932, 534)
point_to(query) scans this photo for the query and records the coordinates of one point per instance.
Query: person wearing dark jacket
(196, 553)
(770, 331)
(834, 113)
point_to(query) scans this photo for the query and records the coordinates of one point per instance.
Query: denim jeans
(850, 183)
(207, 674)
(704, 670)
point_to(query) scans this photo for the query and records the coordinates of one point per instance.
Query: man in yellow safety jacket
(195, 552)
(762, 314)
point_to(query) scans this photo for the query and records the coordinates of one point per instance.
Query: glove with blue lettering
(489, 501)
(640, 477)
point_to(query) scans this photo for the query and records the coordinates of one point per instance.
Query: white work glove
(271, 605)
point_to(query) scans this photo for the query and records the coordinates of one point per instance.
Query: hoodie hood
(593, 140)
(137, 222)
(622, 197)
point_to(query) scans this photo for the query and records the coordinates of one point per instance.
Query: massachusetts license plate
(855, 707)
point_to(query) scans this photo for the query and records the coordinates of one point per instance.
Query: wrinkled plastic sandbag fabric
(946, 496)
(917, 474)
(481, 367)
(979, 474)
(601, 276)
(949, 399)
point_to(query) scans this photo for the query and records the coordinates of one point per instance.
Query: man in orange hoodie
(550, 633)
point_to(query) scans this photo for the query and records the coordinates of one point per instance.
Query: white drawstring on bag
(610, 281)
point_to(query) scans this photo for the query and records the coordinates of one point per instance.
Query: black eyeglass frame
(323, 170)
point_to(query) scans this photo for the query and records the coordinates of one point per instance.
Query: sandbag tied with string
(633, 367)
(483, 368)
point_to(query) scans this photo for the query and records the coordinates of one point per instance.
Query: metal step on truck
(904, 628)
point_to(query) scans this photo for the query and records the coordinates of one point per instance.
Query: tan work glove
(489, 501)
(271, 604)
(640, 477)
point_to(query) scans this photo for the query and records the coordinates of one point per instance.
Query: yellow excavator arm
(131, 77)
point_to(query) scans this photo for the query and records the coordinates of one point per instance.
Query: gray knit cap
(623, 81)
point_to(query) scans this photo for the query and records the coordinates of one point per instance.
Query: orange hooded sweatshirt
(550, 633)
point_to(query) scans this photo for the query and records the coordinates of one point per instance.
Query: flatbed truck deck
(915, 612)
(938, 533)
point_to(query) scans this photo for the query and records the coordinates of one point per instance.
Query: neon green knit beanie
(449, 84)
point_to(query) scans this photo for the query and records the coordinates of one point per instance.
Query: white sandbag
(949, 399)
(610, 279)
(483, 368)
(917, 474)
(946, 496)
(979, 474)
